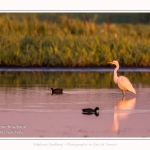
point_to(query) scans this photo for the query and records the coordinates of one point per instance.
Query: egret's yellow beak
(110, 62)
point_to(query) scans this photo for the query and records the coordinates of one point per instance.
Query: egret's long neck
(115, 74)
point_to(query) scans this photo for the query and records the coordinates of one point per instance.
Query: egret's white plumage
(122, 81)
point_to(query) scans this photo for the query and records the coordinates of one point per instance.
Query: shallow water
(27, 109)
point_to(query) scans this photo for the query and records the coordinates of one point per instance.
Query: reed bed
(72, 42)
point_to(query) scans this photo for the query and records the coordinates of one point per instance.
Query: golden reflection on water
(122, 110)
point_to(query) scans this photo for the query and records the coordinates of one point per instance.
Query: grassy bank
(72, 42)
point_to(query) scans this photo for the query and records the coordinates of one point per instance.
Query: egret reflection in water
(122, 110)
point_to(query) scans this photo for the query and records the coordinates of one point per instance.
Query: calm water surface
(27, 109)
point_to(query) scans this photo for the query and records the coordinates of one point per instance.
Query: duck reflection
(90, 111)
(122, 110)
(96, 114)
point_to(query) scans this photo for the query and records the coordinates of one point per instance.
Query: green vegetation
(69, 79)
(71, 42)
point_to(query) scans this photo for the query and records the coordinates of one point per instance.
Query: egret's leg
(123, 95)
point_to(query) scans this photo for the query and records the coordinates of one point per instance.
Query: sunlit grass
(72, 43)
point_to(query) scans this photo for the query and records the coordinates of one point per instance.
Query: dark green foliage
(71, 42)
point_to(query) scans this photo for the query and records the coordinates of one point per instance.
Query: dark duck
(90, 111)
(56, 91)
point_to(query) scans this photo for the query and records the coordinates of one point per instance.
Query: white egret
(122, 81)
